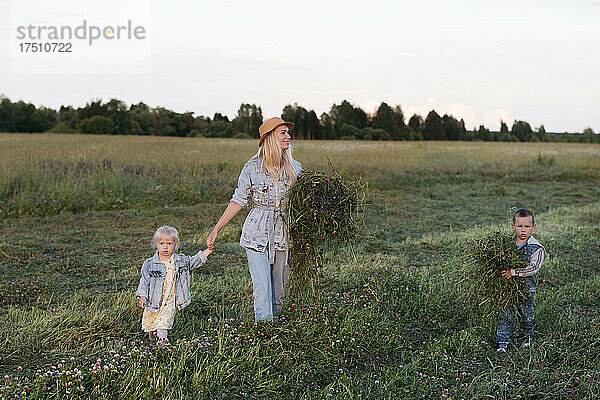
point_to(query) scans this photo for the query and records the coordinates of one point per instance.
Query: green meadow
(394, 317)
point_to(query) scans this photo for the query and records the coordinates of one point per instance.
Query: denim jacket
(153, 279)
(534, 254)
(265, 224)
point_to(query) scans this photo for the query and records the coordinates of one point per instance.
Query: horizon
(231, 118)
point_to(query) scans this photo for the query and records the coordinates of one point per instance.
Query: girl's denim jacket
(264, 226)
(153, 279)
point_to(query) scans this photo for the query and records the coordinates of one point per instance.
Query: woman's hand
(142, 302)
(229, 213)
(210, 241)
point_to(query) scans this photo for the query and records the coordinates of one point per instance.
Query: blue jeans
(506, 323)
(267, 282)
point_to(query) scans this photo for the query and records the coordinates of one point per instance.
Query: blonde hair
(277, 160)
(166, 231)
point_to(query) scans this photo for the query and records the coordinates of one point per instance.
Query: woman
(266, 178)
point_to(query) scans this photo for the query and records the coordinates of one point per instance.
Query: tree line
(344, 121)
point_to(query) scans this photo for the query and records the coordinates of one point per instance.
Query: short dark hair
(522, 213)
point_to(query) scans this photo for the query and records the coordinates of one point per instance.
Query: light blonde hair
(166, 231)
(275, 159)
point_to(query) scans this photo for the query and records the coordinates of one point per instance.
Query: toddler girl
(165, 282)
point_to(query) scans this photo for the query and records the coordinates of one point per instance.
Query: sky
(482, 61)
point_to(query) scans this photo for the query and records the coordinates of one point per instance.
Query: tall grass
(48, 174)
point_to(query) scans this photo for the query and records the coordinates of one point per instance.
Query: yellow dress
(163, 319)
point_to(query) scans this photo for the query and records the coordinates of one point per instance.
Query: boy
(523, 224)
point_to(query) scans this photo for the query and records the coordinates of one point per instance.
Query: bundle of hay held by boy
(490, 255)
(324, 214)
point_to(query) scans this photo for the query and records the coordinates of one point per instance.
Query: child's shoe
(527, 344)
(152, 337)
(501, 350)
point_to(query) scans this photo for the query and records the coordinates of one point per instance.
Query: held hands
(507, 274)
(142, 302)
(210, 241)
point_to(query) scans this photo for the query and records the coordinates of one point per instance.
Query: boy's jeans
(506, 323)
(267, 283)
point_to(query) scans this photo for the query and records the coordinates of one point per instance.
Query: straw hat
(270, 125)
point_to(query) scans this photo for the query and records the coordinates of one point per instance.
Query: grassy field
(394, 319)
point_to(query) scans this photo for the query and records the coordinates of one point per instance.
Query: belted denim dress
(264, 234)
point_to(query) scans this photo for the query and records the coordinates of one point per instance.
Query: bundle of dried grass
(324, 214)
(490, 255)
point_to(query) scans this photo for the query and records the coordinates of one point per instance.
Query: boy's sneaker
(501, 350)
(527, 344)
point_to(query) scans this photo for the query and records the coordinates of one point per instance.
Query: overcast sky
(479, 60)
